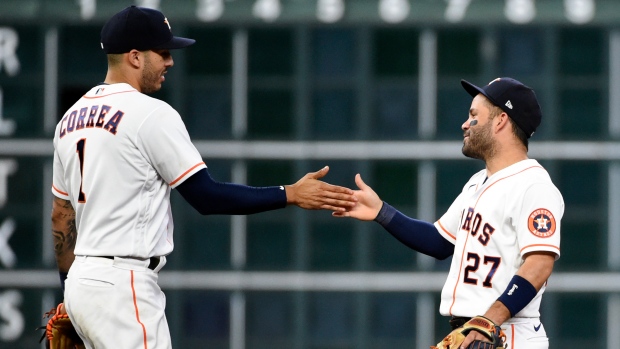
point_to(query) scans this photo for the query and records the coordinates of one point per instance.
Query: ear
(135, 58)
(501, 121)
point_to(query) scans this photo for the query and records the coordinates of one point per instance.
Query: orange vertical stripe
(458, 280)
(135, 304)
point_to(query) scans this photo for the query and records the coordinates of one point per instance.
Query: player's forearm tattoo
(64, 229)
(65, 240)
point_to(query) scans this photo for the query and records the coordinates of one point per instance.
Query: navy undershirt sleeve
(417, 235)
(208, 196)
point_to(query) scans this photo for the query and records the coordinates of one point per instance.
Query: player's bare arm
(368, 203)
(312, 194)
(64, 232)
(536, 269)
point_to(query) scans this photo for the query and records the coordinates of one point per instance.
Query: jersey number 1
(81, 145)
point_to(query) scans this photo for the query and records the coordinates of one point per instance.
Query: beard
(150, 80)
(480, 144)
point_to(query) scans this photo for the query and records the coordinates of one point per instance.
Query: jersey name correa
(122, 209)
(493, 223)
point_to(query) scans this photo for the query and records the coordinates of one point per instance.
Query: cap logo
(498, 79)
(509, 104)
(167, 23)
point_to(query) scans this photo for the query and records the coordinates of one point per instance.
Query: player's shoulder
(518, 177)
(532, 176)
(104, 90)
(124, 92)
(532, 171)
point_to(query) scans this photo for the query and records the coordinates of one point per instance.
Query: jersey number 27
(474, 264)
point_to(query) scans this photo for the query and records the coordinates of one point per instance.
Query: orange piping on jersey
(501, 179)
(512, 335)
(458, 278)
(445, 230)
(465, 244)
(114, 93)
(60, 191)
(546, 245)
(135, 304)
(186, 172)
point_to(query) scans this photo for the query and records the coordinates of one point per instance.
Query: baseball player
(117, 155)
(503, 229)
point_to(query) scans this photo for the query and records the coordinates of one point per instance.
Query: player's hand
(312, 194)
(472, 336)
(368, 206)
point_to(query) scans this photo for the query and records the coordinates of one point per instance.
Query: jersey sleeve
(538, 221)
(448, 224)
(59, 187)
(165, 141)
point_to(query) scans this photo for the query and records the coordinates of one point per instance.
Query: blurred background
(274, 89)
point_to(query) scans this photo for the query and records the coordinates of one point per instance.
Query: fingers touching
(312, 194)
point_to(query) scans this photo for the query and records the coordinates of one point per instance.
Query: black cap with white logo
(516, 99)
(139, 28)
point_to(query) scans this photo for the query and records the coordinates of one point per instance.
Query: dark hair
(519, 133)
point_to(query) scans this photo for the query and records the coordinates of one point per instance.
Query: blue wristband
(63, 277)
(517, 295)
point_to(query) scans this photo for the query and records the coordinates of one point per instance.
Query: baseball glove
(481, 324)
(59, 331)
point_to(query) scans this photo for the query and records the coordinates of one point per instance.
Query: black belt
(458, 321)
(153, 261)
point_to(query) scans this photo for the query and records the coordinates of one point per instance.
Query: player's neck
(507, 151)
(503, 160)
(117, 76)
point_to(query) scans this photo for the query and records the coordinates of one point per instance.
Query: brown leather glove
(495, 336)
(59, 331)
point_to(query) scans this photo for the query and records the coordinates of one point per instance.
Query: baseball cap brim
(474, 90)
(175, 43)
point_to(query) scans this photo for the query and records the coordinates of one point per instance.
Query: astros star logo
(541, 223)
(167, 23)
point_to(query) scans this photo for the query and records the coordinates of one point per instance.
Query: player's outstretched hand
(312, 194)
(368, 206)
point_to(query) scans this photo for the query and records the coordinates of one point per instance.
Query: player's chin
(151, 89)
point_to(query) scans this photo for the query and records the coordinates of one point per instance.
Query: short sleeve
(165, 142)
(448, 224)
(538, 222)
(59, 187)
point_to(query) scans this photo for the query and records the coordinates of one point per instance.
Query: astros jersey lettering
(150, 150)
(493, 223)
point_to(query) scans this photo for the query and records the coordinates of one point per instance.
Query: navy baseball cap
(139, 28)
(516, 99)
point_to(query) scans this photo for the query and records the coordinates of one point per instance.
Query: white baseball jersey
(117, 154)
(493, 223)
